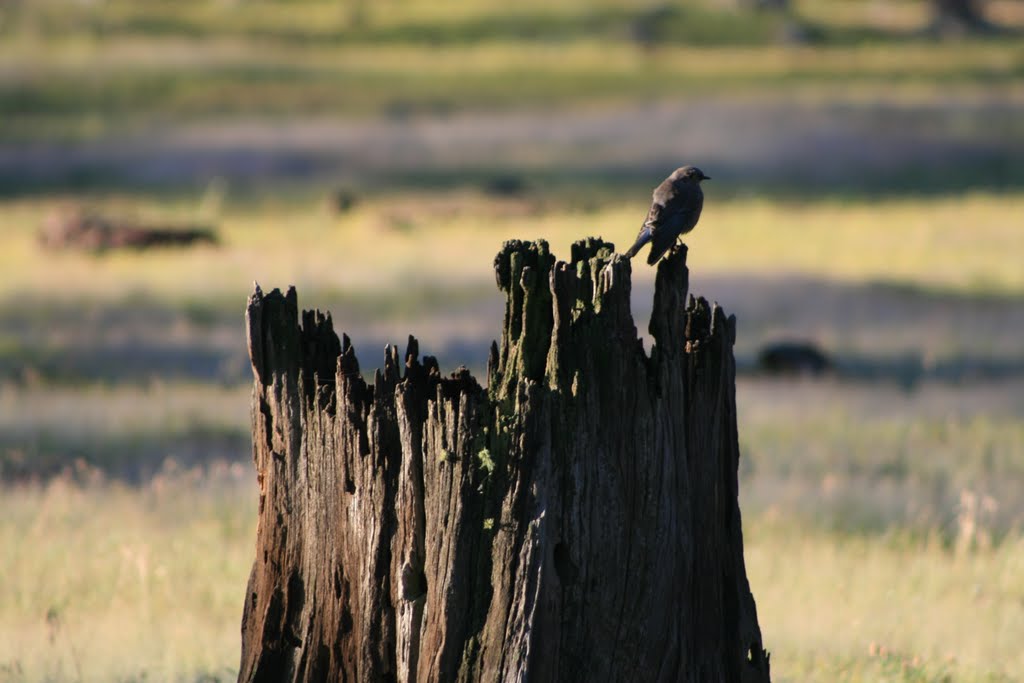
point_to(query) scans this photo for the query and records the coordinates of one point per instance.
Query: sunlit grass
(181, 56)
(965, 244)
(105, 582)
(856, 609)
(136, 83)
(854, 523)
(461, 19)
(80, 70)
(171, 559)
(877, 458)
(959, 243)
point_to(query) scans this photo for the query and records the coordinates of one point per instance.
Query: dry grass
(940, 462)
(882, 529)
(147, 583)
(106, 582)
(863, 609)
(967, 244)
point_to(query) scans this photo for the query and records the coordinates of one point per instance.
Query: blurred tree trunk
(575, 521)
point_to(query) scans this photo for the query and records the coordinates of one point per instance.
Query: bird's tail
(643, 238)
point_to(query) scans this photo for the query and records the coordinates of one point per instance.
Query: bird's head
(689, 174)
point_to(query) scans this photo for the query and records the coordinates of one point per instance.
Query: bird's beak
(705, 177)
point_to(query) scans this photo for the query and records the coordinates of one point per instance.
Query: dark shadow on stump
(577, 520)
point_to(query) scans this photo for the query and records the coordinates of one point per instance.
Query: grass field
(882, 523)
(868, 196)
(958, 244)
(127, 583)
(75, 72)
(866, 564)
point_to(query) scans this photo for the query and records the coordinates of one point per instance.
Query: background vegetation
(867, 196)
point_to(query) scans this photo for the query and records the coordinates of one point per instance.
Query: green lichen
(486, 462)
(489, 523)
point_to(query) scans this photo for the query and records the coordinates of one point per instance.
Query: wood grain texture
(577, 520)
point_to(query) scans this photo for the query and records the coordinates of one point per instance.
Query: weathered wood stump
(577, 520)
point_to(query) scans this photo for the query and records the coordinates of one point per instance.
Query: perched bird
(674, 211)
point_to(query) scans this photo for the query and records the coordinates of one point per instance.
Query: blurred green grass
(77, 70)
(283, 21)
(373, 80)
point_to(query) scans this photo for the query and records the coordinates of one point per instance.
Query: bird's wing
(673, 220)
(660, 243)
(654, 215)
(681, 212)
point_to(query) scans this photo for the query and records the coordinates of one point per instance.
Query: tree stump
(576, 520)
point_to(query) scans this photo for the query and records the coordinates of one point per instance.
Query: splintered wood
(575, 520)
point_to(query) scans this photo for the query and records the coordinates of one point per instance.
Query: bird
(675, 209)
